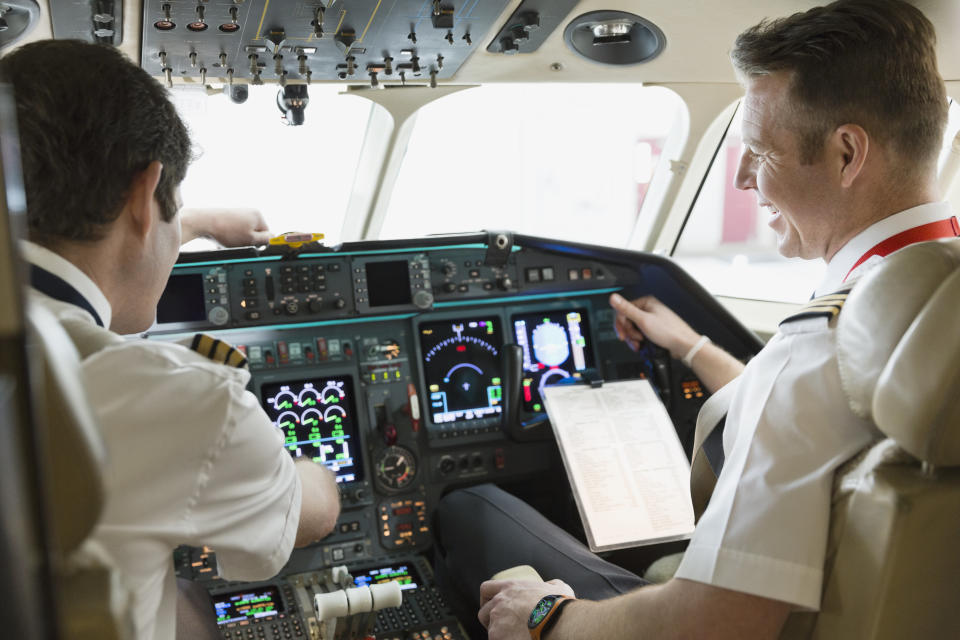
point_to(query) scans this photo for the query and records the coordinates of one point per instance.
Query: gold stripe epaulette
(827, 306)
(218, 351)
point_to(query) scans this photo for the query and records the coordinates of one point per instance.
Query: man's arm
(677, 609)
(237, 227)
(320, 504)
(647, 318)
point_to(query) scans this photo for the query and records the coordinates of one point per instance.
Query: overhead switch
(442, 15)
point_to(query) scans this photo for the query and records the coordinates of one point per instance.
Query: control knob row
(292, 307)
(504, 283)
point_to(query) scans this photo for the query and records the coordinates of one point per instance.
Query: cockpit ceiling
(698, 35)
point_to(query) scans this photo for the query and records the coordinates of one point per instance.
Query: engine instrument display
(246, 606)
(461, 364)
(405, 574)
(554, 345)
(318, 420)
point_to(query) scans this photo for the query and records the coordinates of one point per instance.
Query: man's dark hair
(89, 121)
(866, 62)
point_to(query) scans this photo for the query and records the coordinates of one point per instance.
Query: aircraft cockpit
(454, 190)
(414, 367)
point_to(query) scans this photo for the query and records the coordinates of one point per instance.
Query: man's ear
(141, 199)
(850, 144)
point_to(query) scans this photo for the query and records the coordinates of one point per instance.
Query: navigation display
(405, 574)
(461, 364)
(240, 606)
(554, 347)
(318, 420)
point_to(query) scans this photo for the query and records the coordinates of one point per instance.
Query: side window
(564, 161)
(727, 246)
(949, 165)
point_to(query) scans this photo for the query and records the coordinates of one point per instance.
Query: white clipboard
(626, 465)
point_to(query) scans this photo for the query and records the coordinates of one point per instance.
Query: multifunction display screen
(554, 347)
(182, 299)
(250, 605)
(405, 574)
(388, 282)
(461, 364)
(318, 421)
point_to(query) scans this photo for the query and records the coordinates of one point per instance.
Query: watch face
(541, 610)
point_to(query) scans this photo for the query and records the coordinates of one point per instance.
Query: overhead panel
(302, 40)
(530, 25)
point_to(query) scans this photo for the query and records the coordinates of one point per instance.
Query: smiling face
(801, 198)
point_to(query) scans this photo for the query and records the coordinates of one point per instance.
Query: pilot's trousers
(482, 530)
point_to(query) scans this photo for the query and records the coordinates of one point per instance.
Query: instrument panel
(388, 362)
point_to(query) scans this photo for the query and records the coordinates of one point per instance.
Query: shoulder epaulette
(827, 306)
(218, 351)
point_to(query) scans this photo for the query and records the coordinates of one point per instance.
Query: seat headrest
(898, 349)
(73, 456)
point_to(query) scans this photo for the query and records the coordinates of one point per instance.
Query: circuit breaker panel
(302, 40)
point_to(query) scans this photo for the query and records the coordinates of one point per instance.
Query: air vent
(17, 17)
(614, 37)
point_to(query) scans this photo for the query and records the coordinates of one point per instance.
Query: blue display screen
(555, 347)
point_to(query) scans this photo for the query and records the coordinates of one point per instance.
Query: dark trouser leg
(483, 530)
(196, 619)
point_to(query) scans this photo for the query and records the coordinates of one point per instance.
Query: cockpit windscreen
(555, 348)
(318, 420)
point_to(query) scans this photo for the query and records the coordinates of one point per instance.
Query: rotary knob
(292, 308)
(315, 306)
(447, 465)
(423, 299)
(218, 315)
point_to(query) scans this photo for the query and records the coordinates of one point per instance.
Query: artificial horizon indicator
(461, 361)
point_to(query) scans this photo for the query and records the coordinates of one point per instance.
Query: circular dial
(396, 468)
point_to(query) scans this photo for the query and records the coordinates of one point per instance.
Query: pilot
(193, 459)
(843, 119)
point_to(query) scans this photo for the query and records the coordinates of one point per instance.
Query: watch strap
(554, 616)
(538, 632)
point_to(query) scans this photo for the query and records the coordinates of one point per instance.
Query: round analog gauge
(395, 468)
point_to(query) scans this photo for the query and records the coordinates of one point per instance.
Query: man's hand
(229, 227)
(319, 504)
(506, 605)
(647, 318)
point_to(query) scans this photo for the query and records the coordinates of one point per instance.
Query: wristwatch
(545, 614)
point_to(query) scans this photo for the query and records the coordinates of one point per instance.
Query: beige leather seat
(90, 601)
(893, 568)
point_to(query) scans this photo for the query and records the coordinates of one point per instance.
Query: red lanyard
(931, 231)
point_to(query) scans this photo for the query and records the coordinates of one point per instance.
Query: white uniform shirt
(787, 430)
(192, 459)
